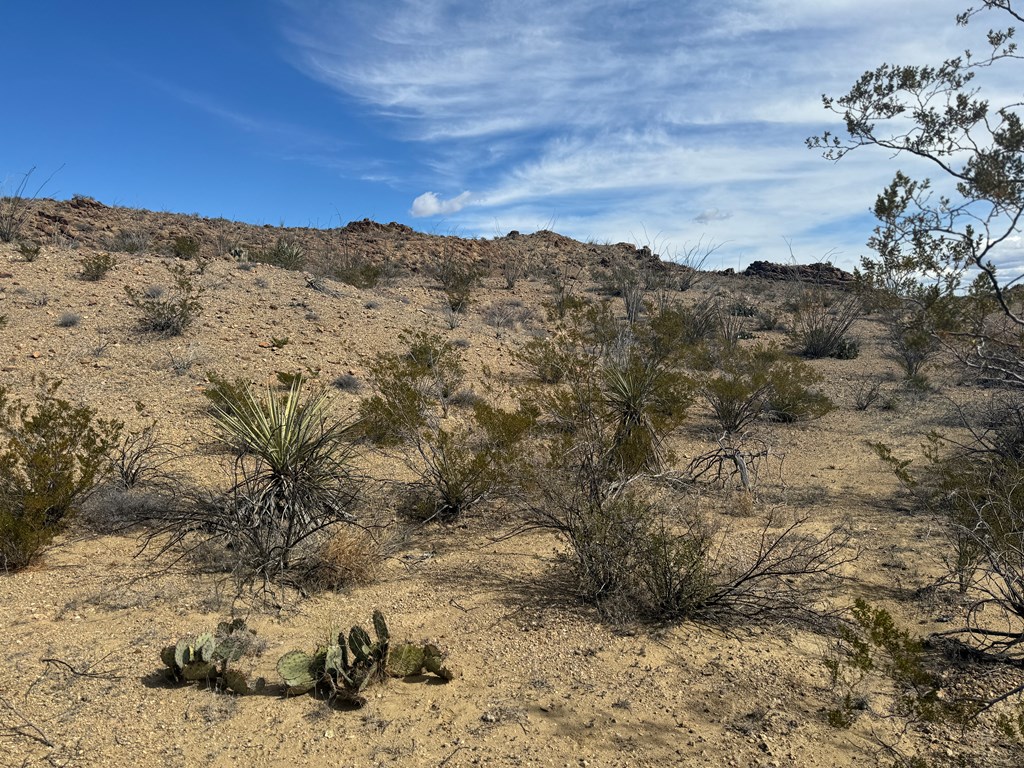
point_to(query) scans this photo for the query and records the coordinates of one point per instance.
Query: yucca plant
(644, 401)
(292, 476)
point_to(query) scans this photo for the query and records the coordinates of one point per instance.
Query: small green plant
(457, 277)
(408, 384)
(349, 664)
(95, 266)
(52, 455)
(284, 253)
(278, 343)
(821, 323)
(225, 394)
(185, 247)
(872, 644)
(206, 658)
(29, 251)
(761, 382)
(168, 315)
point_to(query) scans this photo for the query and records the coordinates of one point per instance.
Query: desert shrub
(226, 394)
(543, 359)
(867, 394)
(292, 481)
(821, 322)
(68, 320)
(354, 270)
(185, 247)
(428, 373)
(767, 320)
(168, 315)
(761, 382)
(52, 455)
(976, 489)
(95, 266)
(630, 283)
(348, 555)
(457, 277)
(565, 286)
(872, 644)
(912, 342)
(507, 314)
(284, 253)
(135, 238)
(634, 555)
(29, 251)
(347, 382)
(15, 208)
(742, 308)
(677, 326)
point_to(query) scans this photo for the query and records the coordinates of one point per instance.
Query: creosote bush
(760, 382)
(95, 266)
(52, 455)
(185, 247)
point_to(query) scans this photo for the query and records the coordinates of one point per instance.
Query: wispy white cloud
(687, 117)
(429, 204)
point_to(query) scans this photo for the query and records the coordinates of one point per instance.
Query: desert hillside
(550, 670)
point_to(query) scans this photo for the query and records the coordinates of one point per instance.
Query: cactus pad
(296, 667)
(405, 659)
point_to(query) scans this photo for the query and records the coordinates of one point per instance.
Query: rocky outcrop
(822, 274)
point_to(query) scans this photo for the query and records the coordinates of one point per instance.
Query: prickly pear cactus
(205, 658)
(352, 662)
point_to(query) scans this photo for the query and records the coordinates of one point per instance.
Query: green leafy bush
(95, 266)
(761, 382)
(185, 247)
(52, 455)
(428, 374)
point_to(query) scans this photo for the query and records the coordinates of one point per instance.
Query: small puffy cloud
(429, 204)
(712, 214)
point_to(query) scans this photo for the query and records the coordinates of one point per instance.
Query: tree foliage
(936, 242)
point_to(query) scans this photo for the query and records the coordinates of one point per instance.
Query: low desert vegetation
(168, 313)
(53, 454)
(633, 419)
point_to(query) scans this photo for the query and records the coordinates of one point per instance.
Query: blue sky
(650, 121)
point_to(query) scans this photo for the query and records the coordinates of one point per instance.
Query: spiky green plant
(292, 475)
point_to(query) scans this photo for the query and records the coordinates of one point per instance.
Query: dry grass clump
(350, 555)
